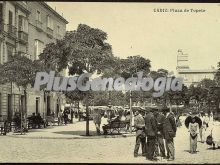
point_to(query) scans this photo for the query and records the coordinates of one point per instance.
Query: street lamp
(131, 112)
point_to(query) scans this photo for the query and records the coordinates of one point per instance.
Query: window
(58, 30)
(1, 12)
(10, 18)
(38, 48)
(49, 22)
(22, 23)
(10, 51)
(38, 16)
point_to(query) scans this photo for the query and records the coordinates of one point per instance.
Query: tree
(82, 50)
(131, 65)
(21, 71)
(217, 75)
(209, 92)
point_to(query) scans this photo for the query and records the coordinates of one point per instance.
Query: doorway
(48, 106)
(57, 107)
(37, 105)
(9, 107)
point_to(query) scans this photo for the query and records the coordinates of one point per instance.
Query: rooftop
(54, 12)
(196, 70)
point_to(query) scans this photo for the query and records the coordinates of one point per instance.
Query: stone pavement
(77, 130)
(93, 150)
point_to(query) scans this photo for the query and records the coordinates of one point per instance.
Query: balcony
(39, 25)
(49, 32)
(12, 31)
(23, 37)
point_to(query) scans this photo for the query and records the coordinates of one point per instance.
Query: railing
(39, 25)
(12, 30)
(49, 32)
(23, 36)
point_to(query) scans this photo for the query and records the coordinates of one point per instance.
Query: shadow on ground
(81, 133)
(189, 151)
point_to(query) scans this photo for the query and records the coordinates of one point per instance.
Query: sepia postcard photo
(109, 82)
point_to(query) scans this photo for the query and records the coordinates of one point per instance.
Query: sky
(135, 29)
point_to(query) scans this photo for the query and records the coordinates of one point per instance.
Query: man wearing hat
(160, 118)
(139, 125)
(151, 132)
(169, 129)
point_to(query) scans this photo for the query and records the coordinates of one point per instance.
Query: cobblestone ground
(96, 150)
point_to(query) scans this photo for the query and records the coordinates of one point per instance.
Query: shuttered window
(38, 48)
(22, 23)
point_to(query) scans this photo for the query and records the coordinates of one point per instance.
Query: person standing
(65, 116)
(97, 121)
(127, 120)
(60, 116)
(139, 125)
(169, 129)
(151, 132)
(194, 131)
(206, 121)
(160, 118)
(201, 130)
(211, 118)
(71, 113)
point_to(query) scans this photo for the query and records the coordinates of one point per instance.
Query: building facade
(195, 76)
(26, 28)
(191, 76)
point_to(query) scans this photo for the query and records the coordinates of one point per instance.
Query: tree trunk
(87, 116)
(78, 111)
(25, 110)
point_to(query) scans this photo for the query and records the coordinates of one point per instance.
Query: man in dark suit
(151, 132)
(160, 118)
(139, 125)
(169, 129)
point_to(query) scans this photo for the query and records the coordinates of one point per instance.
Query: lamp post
(131, 112)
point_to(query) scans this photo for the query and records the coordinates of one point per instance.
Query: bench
(32, 124)
(52, 120)
(114, 126)
(4, 127)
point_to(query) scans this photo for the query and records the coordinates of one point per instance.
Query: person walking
(214, 131)
(151, 132)
(169, 129)
(139, 125)
(194, 131)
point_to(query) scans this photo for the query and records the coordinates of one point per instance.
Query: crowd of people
(156, 130)
(152, 127)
